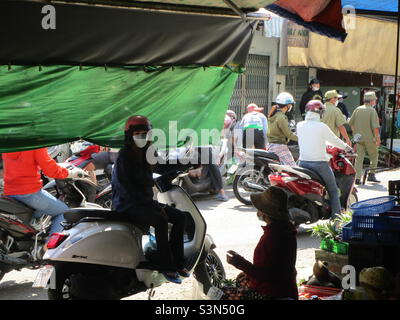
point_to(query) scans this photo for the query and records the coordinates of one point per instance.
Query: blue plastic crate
(373, 206)
(349, 234)
(382, 222)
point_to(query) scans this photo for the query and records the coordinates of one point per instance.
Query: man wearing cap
(313, 90)
(333, 117)
(254, 125)
(365, 121)
(273, 271)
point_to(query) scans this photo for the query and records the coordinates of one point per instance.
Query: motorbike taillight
(276, 179)
(56, 239)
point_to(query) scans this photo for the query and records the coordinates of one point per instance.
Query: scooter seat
(311, 173)
(13, 206)
(76, 214)
(263, 154)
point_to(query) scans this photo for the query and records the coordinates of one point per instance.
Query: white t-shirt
(313, 136)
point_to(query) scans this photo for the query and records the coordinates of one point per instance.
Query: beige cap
(370, 95)
(331, 94)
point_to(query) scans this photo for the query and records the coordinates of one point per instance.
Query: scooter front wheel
(210, 272)
(247, 182)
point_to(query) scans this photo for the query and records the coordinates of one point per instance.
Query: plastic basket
(373, 236)
(340, 247)
(326, 244)
(373, 206)
(388, 221)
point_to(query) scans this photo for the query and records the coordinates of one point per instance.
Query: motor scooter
(102, 255)
(22, 236)
(199, 180)
(308, 199)
(251, 175)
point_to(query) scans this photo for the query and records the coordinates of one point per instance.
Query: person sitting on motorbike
(254, 125)
(272, 275)
(313, 136)
(279, 133)
(210, 168)
(22, 181)
(132, 195)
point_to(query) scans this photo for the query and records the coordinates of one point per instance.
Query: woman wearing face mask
(132, 184)
(314, 135)
(272, 275)
(279, 133)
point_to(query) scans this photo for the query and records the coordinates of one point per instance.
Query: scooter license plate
(43, 277)
(233, 169)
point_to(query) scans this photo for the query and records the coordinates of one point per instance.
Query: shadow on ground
(11, 290)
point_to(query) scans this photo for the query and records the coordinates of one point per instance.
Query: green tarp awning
(58, 104)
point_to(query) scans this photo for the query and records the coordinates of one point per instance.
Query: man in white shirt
(313, 136)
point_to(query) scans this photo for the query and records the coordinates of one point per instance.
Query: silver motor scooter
(101, 255)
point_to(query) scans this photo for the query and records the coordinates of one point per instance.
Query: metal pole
(395, 84)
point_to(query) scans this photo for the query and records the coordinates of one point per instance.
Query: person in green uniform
(279, 133)
(333, 117)
(365, 121)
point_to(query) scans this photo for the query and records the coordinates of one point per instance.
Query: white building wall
(268, 47)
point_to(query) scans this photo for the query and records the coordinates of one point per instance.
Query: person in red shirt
(272, 275)
(22, 181)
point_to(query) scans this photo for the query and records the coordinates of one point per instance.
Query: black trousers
(170, 253)
(255, 137)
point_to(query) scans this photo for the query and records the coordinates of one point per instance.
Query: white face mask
(336, 103)
(314, 88)
(140, 140)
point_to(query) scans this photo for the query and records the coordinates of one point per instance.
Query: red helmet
(138, 123)
(315, 106)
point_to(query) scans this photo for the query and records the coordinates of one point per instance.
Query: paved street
(232, 226)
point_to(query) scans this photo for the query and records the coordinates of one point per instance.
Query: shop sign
(297, 36)
(388, 81)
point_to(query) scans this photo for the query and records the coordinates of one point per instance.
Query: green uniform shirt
(365, 120)
(278, 129)
(333, 118)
